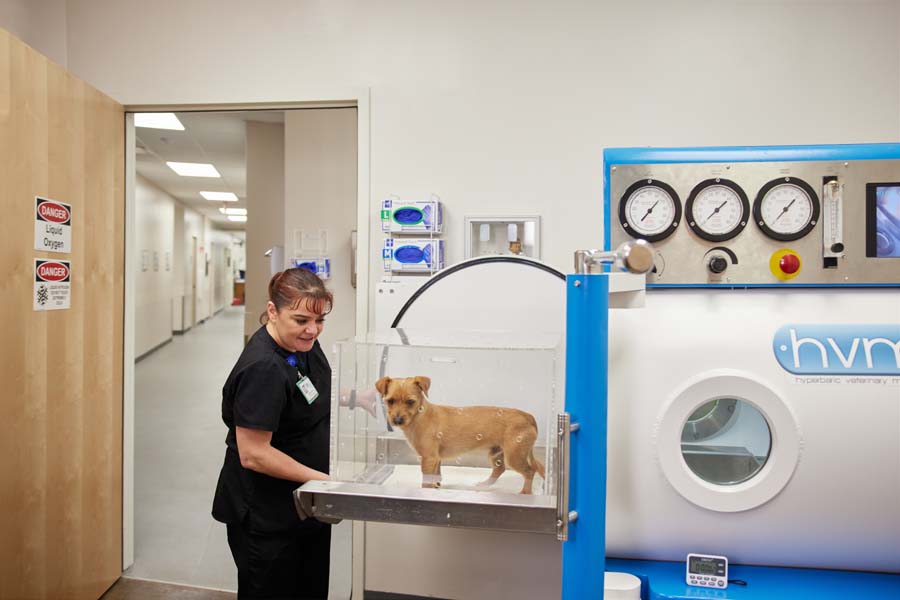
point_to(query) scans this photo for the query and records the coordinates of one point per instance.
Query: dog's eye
(410, 402)
(390, 402)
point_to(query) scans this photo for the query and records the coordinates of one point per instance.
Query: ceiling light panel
(193, 169)
(238, 218)
(158, 121)
(219, 196)
(233, 211)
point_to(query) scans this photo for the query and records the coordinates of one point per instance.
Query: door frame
(194, 249)
(328, 98)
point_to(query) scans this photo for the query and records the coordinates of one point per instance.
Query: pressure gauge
(649, 210)
(786, 209)
(717, 210)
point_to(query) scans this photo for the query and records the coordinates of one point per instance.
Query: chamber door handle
(564, 429)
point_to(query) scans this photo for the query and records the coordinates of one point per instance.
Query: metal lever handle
(564, 428)
(633, 256)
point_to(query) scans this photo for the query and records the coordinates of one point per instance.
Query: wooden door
(60, 370)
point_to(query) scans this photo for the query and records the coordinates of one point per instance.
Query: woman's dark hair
(291, 287)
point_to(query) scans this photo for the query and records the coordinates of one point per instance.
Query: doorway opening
(206, 297)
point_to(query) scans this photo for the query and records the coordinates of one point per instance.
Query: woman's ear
(271, 311)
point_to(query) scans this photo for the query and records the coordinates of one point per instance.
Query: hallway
(179, 447)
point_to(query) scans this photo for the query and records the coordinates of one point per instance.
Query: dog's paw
(486, 483)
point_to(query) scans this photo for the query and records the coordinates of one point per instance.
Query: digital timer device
(707, 571)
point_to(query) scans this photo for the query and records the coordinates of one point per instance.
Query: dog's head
(403, 397)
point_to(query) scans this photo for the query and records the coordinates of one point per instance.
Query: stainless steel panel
(330, 500)
(682, 258)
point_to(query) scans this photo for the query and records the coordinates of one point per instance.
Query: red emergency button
(789, 263)
(785, 264)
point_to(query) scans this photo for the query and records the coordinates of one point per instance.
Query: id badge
(308, 390)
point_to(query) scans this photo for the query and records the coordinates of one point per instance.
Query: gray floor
(179, 445)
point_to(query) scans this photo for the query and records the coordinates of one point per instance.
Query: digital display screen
(703, 566)
(883, 220)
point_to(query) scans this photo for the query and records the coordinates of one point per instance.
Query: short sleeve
(260, 396)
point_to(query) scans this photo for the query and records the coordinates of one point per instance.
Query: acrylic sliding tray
(376, 474)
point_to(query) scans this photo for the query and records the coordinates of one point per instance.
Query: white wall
(154, 238)
(506, 106)
(39, 23)
(320, 194)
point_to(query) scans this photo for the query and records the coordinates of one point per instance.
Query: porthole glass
(726, 441)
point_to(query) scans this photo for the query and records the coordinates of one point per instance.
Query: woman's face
(296, 328)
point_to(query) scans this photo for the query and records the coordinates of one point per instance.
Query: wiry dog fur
(442, 432)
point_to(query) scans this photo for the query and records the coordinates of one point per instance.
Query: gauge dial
(649, 210)
(717, 210)
(786, 209)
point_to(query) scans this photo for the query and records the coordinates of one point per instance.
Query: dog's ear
(423, 382)
(382, 385)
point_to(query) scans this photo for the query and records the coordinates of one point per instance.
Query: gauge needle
(649, 210)
(785, 209)
(716, 211)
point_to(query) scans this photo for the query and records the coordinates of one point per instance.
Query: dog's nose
(398, 420)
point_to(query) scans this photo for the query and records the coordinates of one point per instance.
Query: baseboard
(151, 351)
(370, 595)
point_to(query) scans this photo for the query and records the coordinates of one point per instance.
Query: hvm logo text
(839, 349)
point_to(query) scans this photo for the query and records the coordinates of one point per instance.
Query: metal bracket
(633, 256)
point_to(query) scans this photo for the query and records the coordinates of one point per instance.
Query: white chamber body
(829, 493)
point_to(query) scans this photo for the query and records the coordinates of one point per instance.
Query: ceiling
(208, 137)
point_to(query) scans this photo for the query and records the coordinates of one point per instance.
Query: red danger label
(52, 271)
(53, 211)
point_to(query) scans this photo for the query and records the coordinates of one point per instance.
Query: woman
(276, 404)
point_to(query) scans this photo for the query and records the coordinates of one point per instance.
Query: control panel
(783, 216)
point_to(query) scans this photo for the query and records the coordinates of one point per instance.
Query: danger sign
(52, 284)
(52, 225)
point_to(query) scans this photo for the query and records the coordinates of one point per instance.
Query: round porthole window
(726, 441)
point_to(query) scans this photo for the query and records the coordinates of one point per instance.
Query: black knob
(838, 247)
(717, 264)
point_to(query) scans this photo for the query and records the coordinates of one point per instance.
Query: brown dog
(440, 432)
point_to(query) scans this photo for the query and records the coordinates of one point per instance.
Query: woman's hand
(365, 399)
(368, 400)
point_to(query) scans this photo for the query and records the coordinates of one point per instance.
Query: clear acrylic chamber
(377, 474)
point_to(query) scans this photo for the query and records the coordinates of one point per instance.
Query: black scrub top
(261, 393)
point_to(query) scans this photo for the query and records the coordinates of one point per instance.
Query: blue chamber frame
(737, 154)
(584, 553)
